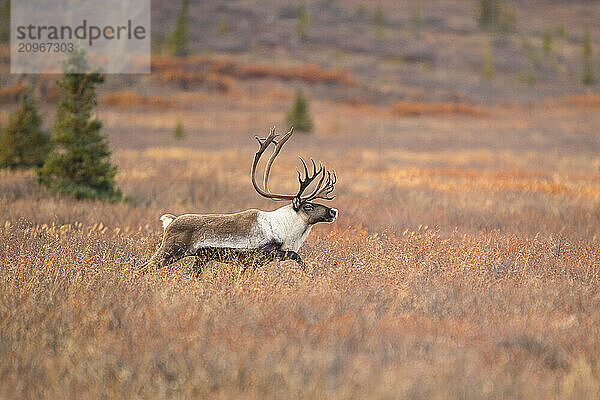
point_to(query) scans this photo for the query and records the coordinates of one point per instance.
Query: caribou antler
(323, 188)
(264, 144)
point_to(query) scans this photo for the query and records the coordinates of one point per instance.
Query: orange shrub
(584, 100)
(4, 54)
(220, 71)
(309, 73)
(413, 108)
(12, 93)
(133, 99)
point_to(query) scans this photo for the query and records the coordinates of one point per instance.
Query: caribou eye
(308, 207)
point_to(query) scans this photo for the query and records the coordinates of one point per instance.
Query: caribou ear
(296, 203)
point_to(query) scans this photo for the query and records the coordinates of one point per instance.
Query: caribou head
(302, 204)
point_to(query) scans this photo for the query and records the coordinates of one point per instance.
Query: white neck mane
(286, 226)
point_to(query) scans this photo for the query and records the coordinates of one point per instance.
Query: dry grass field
(465, 263)
(454, 271)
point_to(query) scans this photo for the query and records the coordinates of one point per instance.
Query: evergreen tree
(223, 27)
(587, 78)
(303, 21)
(81, 167)
(488, 63)
(489, 12)
(178, 39)
(497, 14)
(23, 142)
(298, 116)
(5, 22)
(547, 42)
(379, 22)
(360, 11)
(415, 18)
(179, 132)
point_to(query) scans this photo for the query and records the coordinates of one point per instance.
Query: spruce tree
(488, 63)
(587, 78)
(303, 22)
(178, 39)
(23, 141)
(81, 167)
(179, 132)
(379, 22)
(298, 116)
(489, 13)
(5, 22)
(497, 14)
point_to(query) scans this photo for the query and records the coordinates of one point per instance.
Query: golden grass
(452, 272)
(466, 180)
(411, 316)
(417, 314)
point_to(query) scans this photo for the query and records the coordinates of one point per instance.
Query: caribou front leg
(291, 255)
(274, 251)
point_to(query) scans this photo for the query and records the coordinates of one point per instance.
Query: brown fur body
(251, 237)
(188, 229)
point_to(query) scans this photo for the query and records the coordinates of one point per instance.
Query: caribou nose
(333, 213)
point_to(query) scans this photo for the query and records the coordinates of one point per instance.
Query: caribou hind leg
(165, 255)
(198, 266)
(201, 258)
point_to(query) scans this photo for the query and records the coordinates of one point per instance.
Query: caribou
(251, 237)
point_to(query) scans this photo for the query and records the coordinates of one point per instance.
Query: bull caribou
(251, 237)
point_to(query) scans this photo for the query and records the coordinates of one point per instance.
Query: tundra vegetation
(464, 263)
